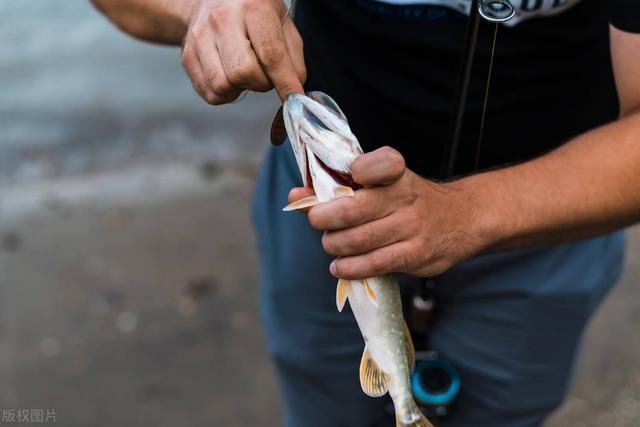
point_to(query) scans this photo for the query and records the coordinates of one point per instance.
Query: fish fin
(343, 191)
(372, 295)
(411, 350)
(415, 419)
(342, 292)
(373, 380)
(307, 202)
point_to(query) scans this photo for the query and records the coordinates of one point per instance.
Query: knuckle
(412, 197)
(299, 41)
(347, 216)
(394, 159)
(187, 54)
(220, 85)
(357, 204)
(198, 31)
(211, 97)
(409, 196)
(240, 73)
(315, 219)
(302, 74)
(273, 52)
(404, 260)
(363, 239)
(354, 242)
(397, 164)
(399, 260)
(378, 262)
(260, 86)
(254, 5)
(218, 16)
(329, 245)
(350, 244)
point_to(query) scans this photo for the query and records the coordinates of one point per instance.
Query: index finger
(366, 205)
(265, 31)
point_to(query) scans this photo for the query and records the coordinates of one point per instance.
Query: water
(77, 96)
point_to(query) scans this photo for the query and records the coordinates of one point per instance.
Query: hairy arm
(403, 223)
(228, 46)
(585, 188)
(160, 21)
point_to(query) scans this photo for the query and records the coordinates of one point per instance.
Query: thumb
(300, 193)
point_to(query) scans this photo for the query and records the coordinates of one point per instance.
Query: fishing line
(495, 11)
(486, 99)
(286, 15)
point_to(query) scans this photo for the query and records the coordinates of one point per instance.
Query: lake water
(77, 96)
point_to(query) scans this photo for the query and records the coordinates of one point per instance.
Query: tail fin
(414, 419)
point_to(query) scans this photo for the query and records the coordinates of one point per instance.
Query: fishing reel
(435, 382)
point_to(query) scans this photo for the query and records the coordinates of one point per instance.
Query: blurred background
(128, 274)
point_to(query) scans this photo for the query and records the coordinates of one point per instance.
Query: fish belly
(381, 326)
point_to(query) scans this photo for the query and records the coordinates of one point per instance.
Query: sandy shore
(131, 311)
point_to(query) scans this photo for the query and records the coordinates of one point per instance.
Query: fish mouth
(321, 139)
(340, 178)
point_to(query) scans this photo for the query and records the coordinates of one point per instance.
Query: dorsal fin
(411, 351)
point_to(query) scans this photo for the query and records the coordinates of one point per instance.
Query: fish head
(322, 142)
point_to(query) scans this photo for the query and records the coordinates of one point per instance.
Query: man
(521, 253)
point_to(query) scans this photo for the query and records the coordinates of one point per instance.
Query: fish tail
(412, 418)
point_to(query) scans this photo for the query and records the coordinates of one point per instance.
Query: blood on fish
(339, 177)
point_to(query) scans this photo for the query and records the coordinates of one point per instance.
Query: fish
(324, 148)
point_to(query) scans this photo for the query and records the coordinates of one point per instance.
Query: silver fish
(325, 147)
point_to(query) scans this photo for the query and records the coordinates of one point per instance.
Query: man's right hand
(234, 45)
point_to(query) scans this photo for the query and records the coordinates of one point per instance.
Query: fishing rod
(436, 382)
(494, 11)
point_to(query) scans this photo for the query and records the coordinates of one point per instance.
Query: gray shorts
(510, 323)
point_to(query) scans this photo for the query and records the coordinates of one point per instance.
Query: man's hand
(399, 222)
(228, 45)
(234, 45)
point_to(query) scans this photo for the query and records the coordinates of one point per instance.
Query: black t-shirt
(393, 70)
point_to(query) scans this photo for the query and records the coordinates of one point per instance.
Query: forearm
(160, 21)
(587, 187)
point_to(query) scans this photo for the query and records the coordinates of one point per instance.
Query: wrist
(481, 208)
(187, 10)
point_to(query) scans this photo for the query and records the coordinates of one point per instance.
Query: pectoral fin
(373, 380)
(307, 202)
(372, 295)
(343, 191)
(342, 292)
(411, 351)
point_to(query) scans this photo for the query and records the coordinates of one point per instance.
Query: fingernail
(333, 269)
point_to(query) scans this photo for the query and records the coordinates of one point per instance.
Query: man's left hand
(399, 222)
